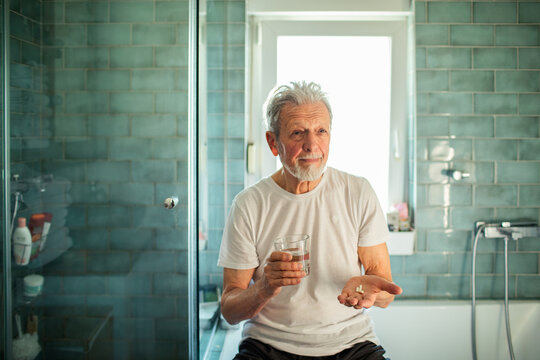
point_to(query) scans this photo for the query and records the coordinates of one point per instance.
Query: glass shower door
(101, 134)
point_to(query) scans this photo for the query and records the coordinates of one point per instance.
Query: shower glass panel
(100, 135)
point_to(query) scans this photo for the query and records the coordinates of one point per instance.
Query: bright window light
(355, 71)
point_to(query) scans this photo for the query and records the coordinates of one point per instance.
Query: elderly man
(291, 315)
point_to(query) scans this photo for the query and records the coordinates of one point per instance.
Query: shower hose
(506, 307)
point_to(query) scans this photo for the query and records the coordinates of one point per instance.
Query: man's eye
(297, 132)
(322, 131)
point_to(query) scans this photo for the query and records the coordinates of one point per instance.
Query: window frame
(263, 40)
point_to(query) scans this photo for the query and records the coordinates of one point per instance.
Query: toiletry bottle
(46, 228)
(36, 228)
(22, 243)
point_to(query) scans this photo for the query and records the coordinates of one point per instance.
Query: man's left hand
(370, 287)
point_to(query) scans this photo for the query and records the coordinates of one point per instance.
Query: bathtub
(437, 329)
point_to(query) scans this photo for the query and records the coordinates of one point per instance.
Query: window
(363, 66)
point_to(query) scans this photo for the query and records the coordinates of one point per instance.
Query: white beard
(311, 173)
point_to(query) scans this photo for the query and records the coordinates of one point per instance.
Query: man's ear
(272, 142)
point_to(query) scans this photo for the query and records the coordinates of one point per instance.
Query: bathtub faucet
(515, 229)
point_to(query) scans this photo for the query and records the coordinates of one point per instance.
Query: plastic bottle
(22, 243)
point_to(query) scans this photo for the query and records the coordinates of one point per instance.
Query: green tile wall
(224, 127)
(99, 100)
(478, 110)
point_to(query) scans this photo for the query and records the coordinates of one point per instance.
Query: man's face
(304, 140)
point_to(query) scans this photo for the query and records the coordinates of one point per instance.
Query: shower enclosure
(98, 129)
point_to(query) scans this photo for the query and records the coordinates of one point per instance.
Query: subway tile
(472, 81)
(108, 262)
(422, 103)
(89, 193)
(53, 12)
(236, 11)
(215, 34)
(447, 150)
(495, 150)
(215, 56)
(130, 148)
(85, 148)
(516, 213)
(235, 102)
(495, 103)
(517, 81)
(152, 80)
(428, 172)
(529, 244)
(420, 14)
(132, 12)
(529, 12)
(90, 239)
(170, 284)
(132, 57)
(528, 287)
(431, 80)
(492, 286)
(430, 34)
(72, 262)
(155, 307)
(87, 12)
(215, 11)
(448, 240)
(236, 34)
(420, 58)
(69, 125)
(109, 34)
(471, 35)
(452, 12)
(516, 35)
(30, 54)
(517, 126)
(182, 34)
(449, 286)
(65, 80)
(215, 125)
(477, 126)
(461, 263)
(446, 195)
(464, 217)
(457, 58)
(108, 125)
(72, 170)
(21, 27)
(496, 195)
(93, 57)
(412, 285)
(529, 104)
(109, 171)
(108, 216)
(216, 80)
(450, 103)
(108, 80)
(154, 34)
(522, 172)
(172, 56)
(21, 76)
(431, 126)
(524, 263)
(153, 125)
(421, 149)
(172, 239)
(154, 171)
(430, 217)
(529, 150)
(235, 80)
(495, 58)
(64, 35)
(153, 261)
(235, 149)
(170, 148)
(130, 284)
(529, 58)
(504, 12)
(131, 193)
(172, 102)
(134, 328)
(86, 284)
(175, 11)
(529, 195)
(130, 102)
(174, 329)
(181, 78)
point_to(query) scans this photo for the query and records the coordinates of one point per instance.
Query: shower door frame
(193, 314)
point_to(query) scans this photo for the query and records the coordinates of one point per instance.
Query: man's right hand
(280, 271)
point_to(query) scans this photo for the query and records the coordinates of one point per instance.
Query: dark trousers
(251, 349)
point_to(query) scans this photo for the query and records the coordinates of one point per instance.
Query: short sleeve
(237, 246)
(373, 227)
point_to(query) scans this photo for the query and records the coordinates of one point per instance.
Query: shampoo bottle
(22, 243)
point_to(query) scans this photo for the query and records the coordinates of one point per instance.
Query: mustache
(310, 156)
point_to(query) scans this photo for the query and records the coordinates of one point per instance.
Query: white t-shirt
(340, 214)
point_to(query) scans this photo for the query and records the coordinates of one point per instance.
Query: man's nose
(310, 142)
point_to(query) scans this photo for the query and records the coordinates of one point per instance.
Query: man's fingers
(280, 256)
